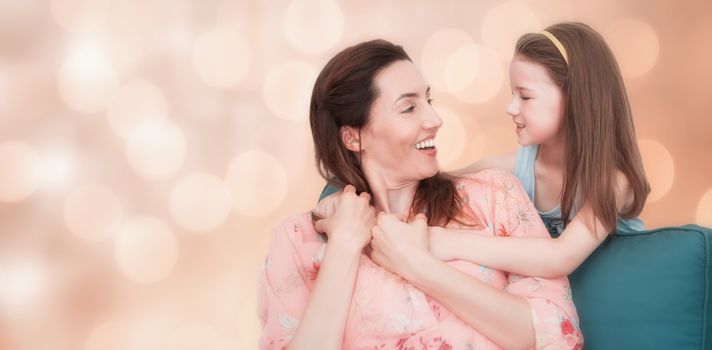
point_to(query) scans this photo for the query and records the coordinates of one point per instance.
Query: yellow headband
(558, 45)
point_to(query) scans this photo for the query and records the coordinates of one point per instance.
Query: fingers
(421, 217)
(376, 233)
(349, 189)
(377, 258)
(320, 225)
(384, 218)
(349, 193)
(316, 215)
(331, 209)
(365, 195)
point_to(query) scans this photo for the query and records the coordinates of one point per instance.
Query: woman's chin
(431, 172)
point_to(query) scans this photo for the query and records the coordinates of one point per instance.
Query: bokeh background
(148, 147)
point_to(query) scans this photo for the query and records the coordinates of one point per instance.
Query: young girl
(579, 161)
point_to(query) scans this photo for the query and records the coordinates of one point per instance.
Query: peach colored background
(147, 148)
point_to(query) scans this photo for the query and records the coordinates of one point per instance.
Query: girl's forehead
(528, 71)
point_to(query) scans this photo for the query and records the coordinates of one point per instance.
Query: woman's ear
(351, 138)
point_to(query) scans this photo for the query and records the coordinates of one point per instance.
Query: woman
(373, 128)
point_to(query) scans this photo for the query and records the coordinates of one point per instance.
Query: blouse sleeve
(285, 282)
(512, 214)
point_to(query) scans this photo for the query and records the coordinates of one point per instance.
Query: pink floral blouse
(388, 312)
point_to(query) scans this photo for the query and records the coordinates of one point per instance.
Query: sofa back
(647, 290)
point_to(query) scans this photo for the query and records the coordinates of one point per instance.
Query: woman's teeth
(429, 144)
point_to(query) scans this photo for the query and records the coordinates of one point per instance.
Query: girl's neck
(551, 154)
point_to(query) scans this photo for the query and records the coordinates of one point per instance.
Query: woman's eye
(409, 109)
(430, 101)
(525, 98)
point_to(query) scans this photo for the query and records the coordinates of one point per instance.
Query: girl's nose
(513, 106)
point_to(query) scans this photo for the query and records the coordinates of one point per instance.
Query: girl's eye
(525, 98)
(409, 109)
(430, 101)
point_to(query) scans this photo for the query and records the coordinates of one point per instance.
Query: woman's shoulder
(297, 229)
(486, 179)
(495, 197)
(480, 189)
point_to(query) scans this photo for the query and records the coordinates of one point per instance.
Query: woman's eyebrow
(412, 94)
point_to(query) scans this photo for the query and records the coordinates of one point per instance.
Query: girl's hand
(398, 246)
(351, 223)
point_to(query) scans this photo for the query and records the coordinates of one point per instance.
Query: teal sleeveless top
(524, 171)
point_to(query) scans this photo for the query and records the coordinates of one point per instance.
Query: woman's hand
(351, 223)
(398, 246)
(326, 207)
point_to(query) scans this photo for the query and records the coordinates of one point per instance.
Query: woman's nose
(432, 120)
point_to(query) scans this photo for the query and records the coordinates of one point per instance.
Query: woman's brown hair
(342, 96)
(598, 132)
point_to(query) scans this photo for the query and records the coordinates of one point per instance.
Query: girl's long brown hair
(598, 133)
(342, 96)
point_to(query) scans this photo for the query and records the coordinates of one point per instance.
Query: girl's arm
(541, 257)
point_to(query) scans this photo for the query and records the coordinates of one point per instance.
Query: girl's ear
(351, 138)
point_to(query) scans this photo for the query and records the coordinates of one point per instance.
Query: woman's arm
(500, 316)
(301, 316)
(322, 324)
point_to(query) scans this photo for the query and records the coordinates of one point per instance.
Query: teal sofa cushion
(647, 290)
(328, 190)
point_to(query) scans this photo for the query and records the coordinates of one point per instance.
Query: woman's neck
(390, 195)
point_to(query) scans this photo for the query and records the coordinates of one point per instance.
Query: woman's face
(537, 105)
(398, 140)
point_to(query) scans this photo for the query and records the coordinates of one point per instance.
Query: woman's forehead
(399, 78)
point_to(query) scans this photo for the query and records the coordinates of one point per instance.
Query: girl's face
(537, 105)
(398, 140)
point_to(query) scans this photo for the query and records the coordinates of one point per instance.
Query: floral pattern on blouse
(387, 312)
